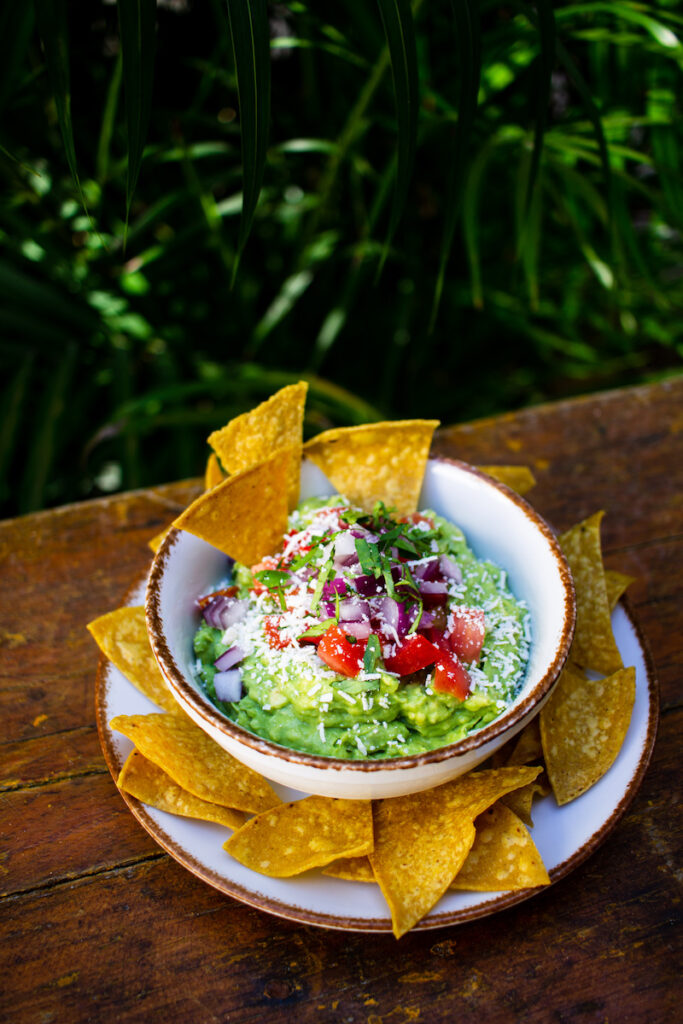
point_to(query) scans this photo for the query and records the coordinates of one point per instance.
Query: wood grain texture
(98, 924)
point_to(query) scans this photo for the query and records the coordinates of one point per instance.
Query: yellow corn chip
(304, 834)
(251, 438)
(503, 855)
(146, 781)
(351, 869)
(521, 800)
(122, 637)
(583, 726)
(245, 516)
(517, 478)
(213, 474)
(193, 760)
(422, 840)
(527, 748)
(617, 584)
(375, 462)
(157, 540)
(594, 644)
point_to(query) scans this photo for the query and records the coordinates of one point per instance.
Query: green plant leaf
(137, 19)
(45, 438)
(596, 121)
(53, 31)
(468, 36)
(399, 30)
(546, 32)
(251, 49)
(108, 122)
(16, 27)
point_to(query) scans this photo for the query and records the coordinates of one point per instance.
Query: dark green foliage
(537, 252)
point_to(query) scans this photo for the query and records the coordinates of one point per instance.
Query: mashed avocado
(365, 637)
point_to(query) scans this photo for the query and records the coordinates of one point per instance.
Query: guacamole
(365, 637)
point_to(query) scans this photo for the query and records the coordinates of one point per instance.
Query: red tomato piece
(415, 653)
(451, 677)
(273, 634)
(467, 634)
(417, 517)
(339, 652)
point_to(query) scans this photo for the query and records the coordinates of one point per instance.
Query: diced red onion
(353, 609)
(394, 614)
(332, 587)
(345, 550)
(425, 570)
(361, 630)
(229, 658)
(367, 535)
(426, 619)
(368, 586)
(225, 611)
(450, 568)
(433, 592)
(228, 685)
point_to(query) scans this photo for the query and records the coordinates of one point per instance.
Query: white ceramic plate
(565, 836)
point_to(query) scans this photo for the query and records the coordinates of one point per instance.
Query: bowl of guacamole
(372, 654)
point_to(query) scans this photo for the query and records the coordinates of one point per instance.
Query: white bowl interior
(496, 527)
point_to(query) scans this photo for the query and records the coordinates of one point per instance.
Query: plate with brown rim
(565, 836)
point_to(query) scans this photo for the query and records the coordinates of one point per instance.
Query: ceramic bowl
(499, 526)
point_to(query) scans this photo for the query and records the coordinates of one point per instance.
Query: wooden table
(98, 924)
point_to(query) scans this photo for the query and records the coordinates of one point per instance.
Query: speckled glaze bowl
(498, 525)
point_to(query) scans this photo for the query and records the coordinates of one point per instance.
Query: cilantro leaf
(373, 654)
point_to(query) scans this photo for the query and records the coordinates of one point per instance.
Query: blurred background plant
(124, 340)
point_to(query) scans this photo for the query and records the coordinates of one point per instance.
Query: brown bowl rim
(213, 718)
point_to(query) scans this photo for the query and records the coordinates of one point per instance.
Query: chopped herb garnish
(368, 556)
(325, 573)
(274, 580)
(373, 654)
(318, 629)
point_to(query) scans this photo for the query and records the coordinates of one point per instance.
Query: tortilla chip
(254, 436)
(583, 726)
(517, 478)
(122, 637)
(503, 856)
(594, 644)
(617, 584)
(351, 869)
(376, 461)
(422, 840)
(193, 760)
(521, 800)
(145, 781)
(305, 834)
(527, 747)
(213, 474)
(245, 516)
(157, 540)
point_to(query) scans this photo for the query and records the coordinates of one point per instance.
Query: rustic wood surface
(98, 924)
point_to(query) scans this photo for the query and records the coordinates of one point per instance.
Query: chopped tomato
(273, 634)
(202, 602)
(451, 677)
(269, 562)
(343, 654)
(415, 653)
(417, 517)
(466, 636)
